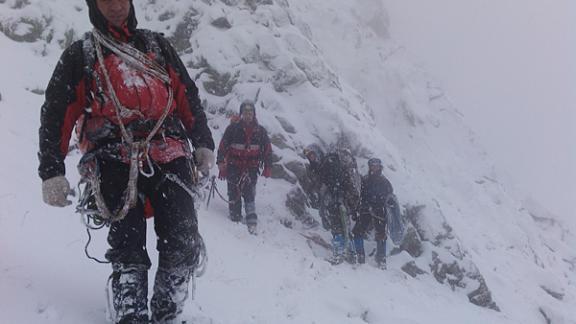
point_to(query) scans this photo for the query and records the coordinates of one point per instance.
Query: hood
(246, 103)
(100, 23)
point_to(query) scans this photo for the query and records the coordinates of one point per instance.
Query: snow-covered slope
(324, 72)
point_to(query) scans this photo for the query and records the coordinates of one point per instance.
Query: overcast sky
(510, 67)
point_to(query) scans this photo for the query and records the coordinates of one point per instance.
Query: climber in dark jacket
(135, 108)
(337, 196)
(244, 150)
(374, 191)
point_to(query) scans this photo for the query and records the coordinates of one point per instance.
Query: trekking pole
(257, 95)
(212, 190)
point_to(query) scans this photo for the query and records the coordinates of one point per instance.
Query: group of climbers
(339, 202)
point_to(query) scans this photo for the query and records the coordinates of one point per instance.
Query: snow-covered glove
(55, 191)
(222, 171)
(267, 172)
(205, 159)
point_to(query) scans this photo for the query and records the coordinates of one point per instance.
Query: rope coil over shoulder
(138, 150)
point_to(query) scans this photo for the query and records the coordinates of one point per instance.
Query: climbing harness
(91, 201)
(138, 150)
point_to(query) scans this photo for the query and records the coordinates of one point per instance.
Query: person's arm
(64, 104)
(224, 145)
(188, 105)
(353, 197)
(389, 190)
(385, 190)
(364, 205)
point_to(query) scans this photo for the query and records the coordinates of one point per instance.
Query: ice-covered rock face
(330, 72)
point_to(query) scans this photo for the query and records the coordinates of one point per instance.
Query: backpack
(348, 165)
(343, 170)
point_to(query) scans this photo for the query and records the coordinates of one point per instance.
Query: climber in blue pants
(374, 190)
(332, 177)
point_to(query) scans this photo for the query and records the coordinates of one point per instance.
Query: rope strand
(138, 150)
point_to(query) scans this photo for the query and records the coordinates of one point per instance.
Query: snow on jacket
(75, 97)
(330, 173)
(374, 190)
(246, 146)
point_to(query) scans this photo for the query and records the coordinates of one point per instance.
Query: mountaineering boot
(252, 228)
(361, 258)
(236, 218)
(350, 253)
(252, 224)
(251, 217)
(130, 293)
(359, 248)
(381, 263)
(235, 209)
(170, 294)
(381, 254)
(338, 249)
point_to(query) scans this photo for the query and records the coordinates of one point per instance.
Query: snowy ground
(394, 109)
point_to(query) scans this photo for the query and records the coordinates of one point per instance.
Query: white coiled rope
(138, 149)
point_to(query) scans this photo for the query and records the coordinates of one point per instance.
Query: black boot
(252, 223)
(359, 248)
(381, 254)
(338, 249)
(361, 258)
(130, 293)
(170, 293)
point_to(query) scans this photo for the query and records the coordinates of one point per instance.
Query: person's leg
(127, 252)
(234, 194)
(249, 195)
(130, 293)
(178, 240)
(380, 227)
(324, 218)
(337, 229)
(359, 232)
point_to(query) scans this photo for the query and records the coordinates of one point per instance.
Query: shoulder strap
(152, 45)
(89, 58)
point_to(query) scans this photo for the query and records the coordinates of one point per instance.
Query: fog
(510, 67)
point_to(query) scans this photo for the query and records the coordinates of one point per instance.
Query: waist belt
(109, 133)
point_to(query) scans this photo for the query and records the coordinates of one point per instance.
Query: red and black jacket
(245, 146)
(74, 95)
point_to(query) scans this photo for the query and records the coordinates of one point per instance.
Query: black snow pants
(175, 220)
(367, 215)
(178, 242)
(242, 185)
(333, 212)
